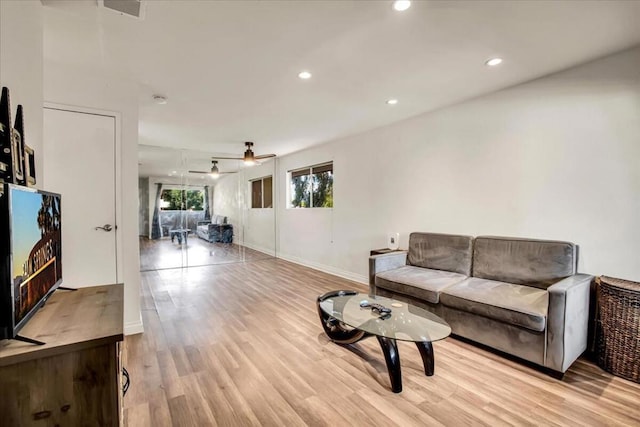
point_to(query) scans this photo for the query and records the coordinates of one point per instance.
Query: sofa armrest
(384, 262)
(567, 321)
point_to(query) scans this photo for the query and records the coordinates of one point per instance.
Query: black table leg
(335, 329)
(392, 357)
(426, 351)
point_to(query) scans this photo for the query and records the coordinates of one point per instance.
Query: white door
(79, 163)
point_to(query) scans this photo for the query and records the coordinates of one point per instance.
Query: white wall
(21, 68)
(556, 158)
(259, 230)
(68, 85)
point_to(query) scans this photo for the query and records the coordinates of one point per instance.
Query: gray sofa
(215, 231)
(519, 296)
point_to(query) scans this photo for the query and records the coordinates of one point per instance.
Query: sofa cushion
(219, 219)
(519, 305)
(441, 252)
(538, 263)
(418, 282)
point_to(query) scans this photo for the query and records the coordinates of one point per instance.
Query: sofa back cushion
(441, 252)
(538, 263)
(219, 219)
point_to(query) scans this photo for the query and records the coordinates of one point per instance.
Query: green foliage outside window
(182, 200)
(312, 187)
(322, 184)
(301, 193)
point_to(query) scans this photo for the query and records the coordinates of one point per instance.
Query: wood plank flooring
(241, 345)
(163, 253)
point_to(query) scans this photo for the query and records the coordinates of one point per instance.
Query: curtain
(156, 231)
(207, 213)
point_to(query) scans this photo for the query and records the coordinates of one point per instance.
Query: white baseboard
(133, 328)
(264, 250)
(327, 269)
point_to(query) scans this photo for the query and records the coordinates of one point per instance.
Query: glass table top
(406, 322)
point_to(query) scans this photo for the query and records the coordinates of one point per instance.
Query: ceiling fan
(214, 172)
(249, 157)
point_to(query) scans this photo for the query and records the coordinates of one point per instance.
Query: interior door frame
(117, 160)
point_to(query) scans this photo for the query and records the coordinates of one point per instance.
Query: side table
(383, 251)
(618, 327)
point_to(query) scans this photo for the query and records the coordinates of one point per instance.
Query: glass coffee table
(349, 316)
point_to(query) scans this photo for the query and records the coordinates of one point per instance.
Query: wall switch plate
(393, 240)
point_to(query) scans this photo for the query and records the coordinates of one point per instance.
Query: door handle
(106, 227)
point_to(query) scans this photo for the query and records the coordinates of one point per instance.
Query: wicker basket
(618, 327)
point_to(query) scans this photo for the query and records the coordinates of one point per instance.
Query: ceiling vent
(133, 8)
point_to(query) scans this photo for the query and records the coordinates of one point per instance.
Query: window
(262, 193)
(182, 200)
(311, 187)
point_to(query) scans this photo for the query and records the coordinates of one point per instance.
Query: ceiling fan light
(215, 172)
(160, 99)
(249, 157)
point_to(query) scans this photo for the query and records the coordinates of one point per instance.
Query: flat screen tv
(30, 254)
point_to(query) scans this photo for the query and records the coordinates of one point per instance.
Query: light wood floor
(163, 253)
(241, 344)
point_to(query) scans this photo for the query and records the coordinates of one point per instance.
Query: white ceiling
(229, 68)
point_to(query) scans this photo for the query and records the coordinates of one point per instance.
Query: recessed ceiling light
(304, 75)
(392, 101)
(401, 5)
(159, 99)
(493, 62)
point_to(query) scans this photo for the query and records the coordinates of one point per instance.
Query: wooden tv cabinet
(75, 378)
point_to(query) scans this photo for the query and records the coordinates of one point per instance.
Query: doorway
(81, 148)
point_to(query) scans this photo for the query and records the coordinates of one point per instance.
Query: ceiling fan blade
(265, 156)
(209, 173)
(228, 158)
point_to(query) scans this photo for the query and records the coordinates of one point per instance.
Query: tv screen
(34, 250)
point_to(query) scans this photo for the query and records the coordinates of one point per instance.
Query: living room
(542, 146)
